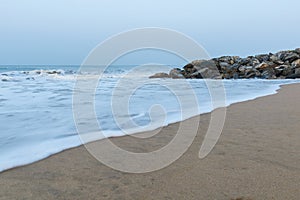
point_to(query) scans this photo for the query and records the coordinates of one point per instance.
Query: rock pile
(281, 65)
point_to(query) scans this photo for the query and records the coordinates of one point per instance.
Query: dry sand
(257, 157)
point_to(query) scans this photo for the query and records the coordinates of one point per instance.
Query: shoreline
(58, 174)
(156, 129)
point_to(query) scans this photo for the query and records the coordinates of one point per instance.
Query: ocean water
(37, 102)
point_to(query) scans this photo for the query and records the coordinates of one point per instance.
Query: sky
(65, 31)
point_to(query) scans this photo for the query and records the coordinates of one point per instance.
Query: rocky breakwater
(281, 65)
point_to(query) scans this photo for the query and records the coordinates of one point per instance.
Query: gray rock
(283, 70)
(268, 73)
(242, 69)
(297, 71)
(296, 64)
(287, 71)
(290, 57)
(263, 57)
(235, 75)
(205, 68)
(219, 77)
(226, 59)
(160, 75)
(176, 74)
(206, 73)
(204, 63)
(224, 66)
(254, 62)
(243, 61)
(250, 75)
(276, 60)
(293, 76)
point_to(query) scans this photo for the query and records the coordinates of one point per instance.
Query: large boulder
(207, 68)
(201, 69)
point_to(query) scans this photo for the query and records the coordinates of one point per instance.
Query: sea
(37, 104)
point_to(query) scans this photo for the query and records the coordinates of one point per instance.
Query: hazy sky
(65, 31)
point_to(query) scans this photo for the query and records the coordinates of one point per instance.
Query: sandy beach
(257, 157)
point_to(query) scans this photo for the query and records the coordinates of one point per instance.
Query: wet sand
(256, 157)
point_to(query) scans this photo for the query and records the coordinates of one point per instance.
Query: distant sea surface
(36, 116)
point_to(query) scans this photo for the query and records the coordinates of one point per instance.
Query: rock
(243, 61)
(205, 73)
(235, 58)
(293, 76)
(263, 57)
(265, 65)
(225, 59)
(205, 69)
(262, 66)
(286, 71)
(257, 74)
(189, 68)
(198, 74)
(235, 75)
(160, 75)
(296, 64)
(297, 51)
(234, 67)
(219, 77)
(290, 57)
(52, 72)
(273, 58)
(283, 70)
(297, 71)
(268, 73)
(242, 69)
(227, 76)
(176, 74)
(204, 63)
(253, 62)
(276, 60)
(250, 75)
(224, 66)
